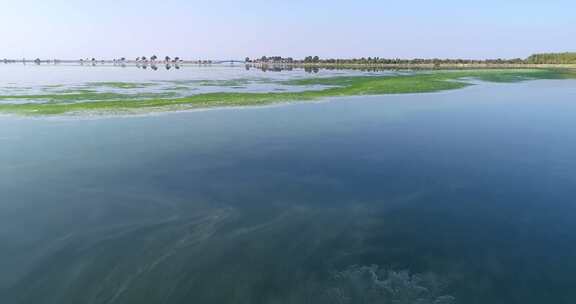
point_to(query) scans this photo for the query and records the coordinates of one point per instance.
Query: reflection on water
(154, 67)
(454, 197)
(175, 65)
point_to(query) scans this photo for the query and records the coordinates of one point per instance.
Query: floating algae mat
(193, 88)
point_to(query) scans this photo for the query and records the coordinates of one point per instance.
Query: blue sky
(235, 29)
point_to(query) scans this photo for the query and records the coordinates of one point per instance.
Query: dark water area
(474, 187)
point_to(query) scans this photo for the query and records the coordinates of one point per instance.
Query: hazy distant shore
(272, 65)
(420, 66)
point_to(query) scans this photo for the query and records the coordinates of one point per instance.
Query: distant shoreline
(321, 65)
(421, 66)
(565, 60)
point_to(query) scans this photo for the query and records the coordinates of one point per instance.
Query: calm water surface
(42, 81)
(264, 205)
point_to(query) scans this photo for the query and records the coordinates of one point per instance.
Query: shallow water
(37, 83)
(262, 205)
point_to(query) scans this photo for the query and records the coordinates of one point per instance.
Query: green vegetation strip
(84, 95)
(423, 82)
(121, 85)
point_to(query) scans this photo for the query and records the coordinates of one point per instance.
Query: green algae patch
(83, 95)
(179, 88)
(122, 85)
(237, 82)
(423, 82)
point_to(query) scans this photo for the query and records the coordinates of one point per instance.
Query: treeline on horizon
(544, 58)
(556, 58)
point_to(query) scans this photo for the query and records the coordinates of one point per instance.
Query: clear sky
(218, 29)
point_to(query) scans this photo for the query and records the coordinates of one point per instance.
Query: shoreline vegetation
(341, 86)
(542, 60)
(423, 66)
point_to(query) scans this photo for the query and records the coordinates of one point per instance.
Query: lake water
(41, 81)
(268, 205)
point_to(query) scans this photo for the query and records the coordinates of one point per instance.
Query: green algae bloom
(422, 82)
